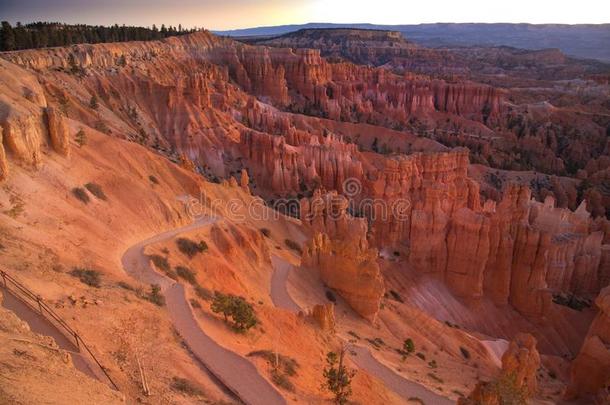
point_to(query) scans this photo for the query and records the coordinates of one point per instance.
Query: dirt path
(237, 373)
(363, 357)
(41, 325)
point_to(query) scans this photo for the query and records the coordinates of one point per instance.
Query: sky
(230, 14)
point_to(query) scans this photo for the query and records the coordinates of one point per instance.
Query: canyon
(381, 167)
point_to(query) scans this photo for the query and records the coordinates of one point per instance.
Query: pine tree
(338, 378)
(7, 37)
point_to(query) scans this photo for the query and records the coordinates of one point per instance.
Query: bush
(190, 248)
(185, 386)
(331, 296)
(162, 264)
(465, 352)
(187, 274)
(287, 364)
(266, 232)
(81, 138)
(421, 355)
(204, 293)
(435, 378)
(195, 303)
(408, 345)
(96, 190)
(93, 103)
(125, 286)
(153, 179)
(155, 296)
(240, 311)
(90, 277)
(81, 194)
(293, 245)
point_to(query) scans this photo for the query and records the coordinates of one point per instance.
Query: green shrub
(125, 286)
(155, 295)
(81, 194)
(191, 248)
(195, 303)
(204, 293)
(96, 190)
(185, 386)
(187, 274)
(293, 245)
(88, 276)
(162, 264)
(408, 345)
(240, 311)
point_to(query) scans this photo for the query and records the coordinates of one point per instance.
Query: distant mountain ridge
(588, 41)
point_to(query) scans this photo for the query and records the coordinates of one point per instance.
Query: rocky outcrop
(3, 160)
(58, 131)
(340, 251)
(324, 314)
(517, 381)
(590, 371)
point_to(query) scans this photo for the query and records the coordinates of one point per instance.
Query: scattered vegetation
(421, 355)
(81, 194)
(354, 334)
(125, 286)
(465, 352)
(195, 303)
(93, 103)
(81, 138)
(396, 296)
(433, 364)
(237, 308)
(87, 276)
(571, 301)
(17, 205)
(204, 293)
(187, 274)
(185, 387)
(408, 345)
(378, 343)
(282, 367)
(96, 190)
(290, 244)
(436, 378)
(191, 248)
(162, 264)
(337, 377)
(153, 179)
(331, 296)
(266, 232)
(155, 296)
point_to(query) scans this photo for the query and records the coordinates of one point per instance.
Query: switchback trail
(237, 373)
(363, 357)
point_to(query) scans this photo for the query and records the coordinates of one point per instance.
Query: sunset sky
(228, 14)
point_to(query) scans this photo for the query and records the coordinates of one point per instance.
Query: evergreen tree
(7, 37)
(338, 378)
(81, 138)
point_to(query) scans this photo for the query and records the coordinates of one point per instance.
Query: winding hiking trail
(361, 355)
(238, 374)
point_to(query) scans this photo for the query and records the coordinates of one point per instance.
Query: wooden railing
(36, 302)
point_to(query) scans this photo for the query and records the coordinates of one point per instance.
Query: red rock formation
(340, 251)
(58, 132)
(517, 380)
(590, 371)
(324, 314)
